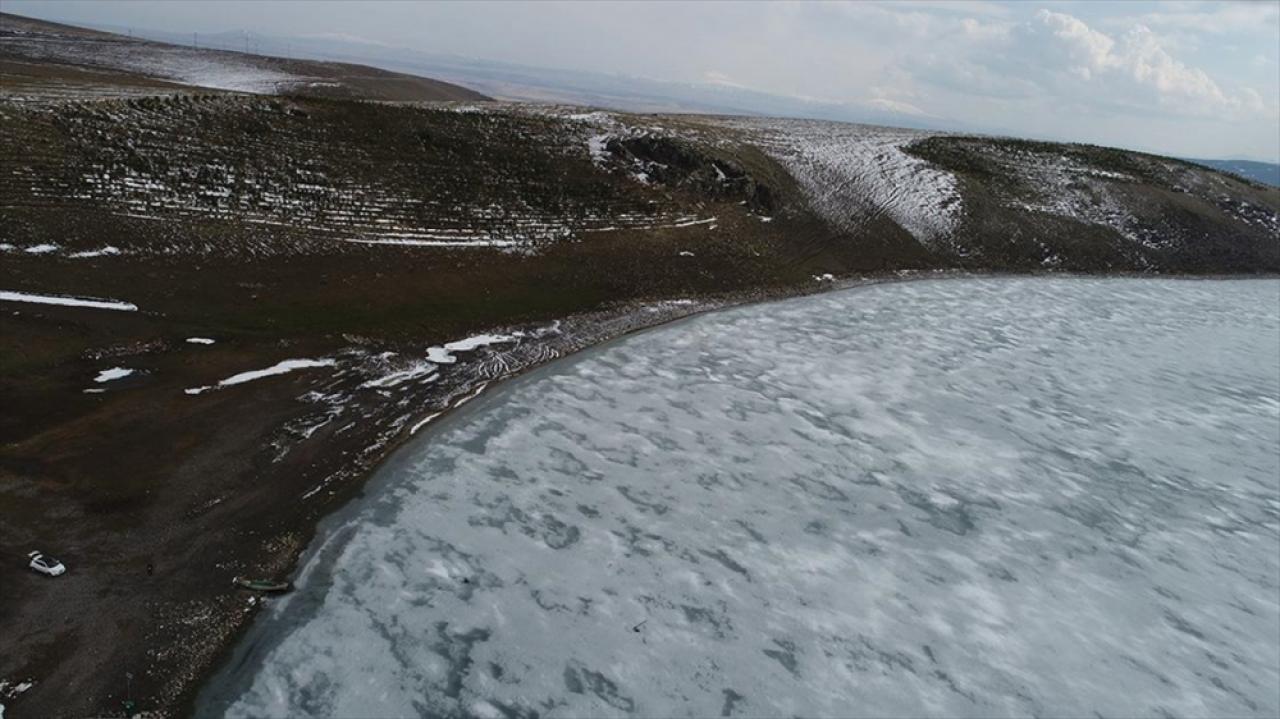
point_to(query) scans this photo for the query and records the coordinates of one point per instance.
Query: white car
(45, 564)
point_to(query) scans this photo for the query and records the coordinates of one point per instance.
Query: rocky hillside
(220, 309)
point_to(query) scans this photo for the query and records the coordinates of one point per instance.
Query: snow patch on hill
(856, 173)
(214, 69)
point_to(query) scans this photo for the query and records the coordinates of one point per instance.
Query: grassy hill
(40, 59)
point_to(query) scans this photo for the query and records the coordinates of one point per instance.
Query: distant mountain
(524, 83)
(1268, 173)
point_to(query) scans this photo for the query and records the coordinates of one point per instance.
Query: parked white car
(45, 564)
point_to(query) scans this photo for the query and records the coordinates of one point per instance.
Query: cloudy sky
(1186, 78)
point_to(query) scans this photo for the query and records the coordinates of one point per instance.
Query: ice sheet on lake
(964, 498)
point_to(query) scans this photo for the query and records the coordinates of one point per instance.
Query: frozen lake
(976, 497)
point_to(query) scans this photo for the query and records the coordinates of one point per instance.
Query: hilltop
(40, 59)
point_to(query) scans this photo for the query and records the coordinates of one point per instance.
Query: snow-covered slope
(855, 173)
(983, 202)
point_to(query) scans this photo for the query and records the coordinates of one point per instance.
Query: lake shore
(458, 538)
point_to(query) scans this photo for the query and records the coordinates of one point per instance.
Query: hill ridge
(45, 60)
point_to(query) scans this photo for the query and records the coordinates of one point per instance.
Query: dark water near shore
(963, 497)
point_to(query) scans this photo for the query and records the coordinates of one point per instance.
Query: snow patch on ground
(677, 222)
(478, 242)
(691, 223)
(10, 296)
(444, 355)
(426, 371)
(668, 304)
(107, 375)
(597, 148)
(438, 355)
(10, 690)
(471, 343)
(101, 252)
(423, 422)
(283, 367)
(199, 341)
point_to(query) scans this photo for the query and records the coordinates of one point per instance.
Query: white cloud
(1143, 60)
(1068, 42)
(1219, 18)
(1058, 55)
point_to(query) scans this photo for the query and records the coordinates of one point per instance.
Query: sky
(1193, 79)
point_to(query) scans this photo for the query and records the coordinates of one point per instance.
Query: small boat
(262, 585)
